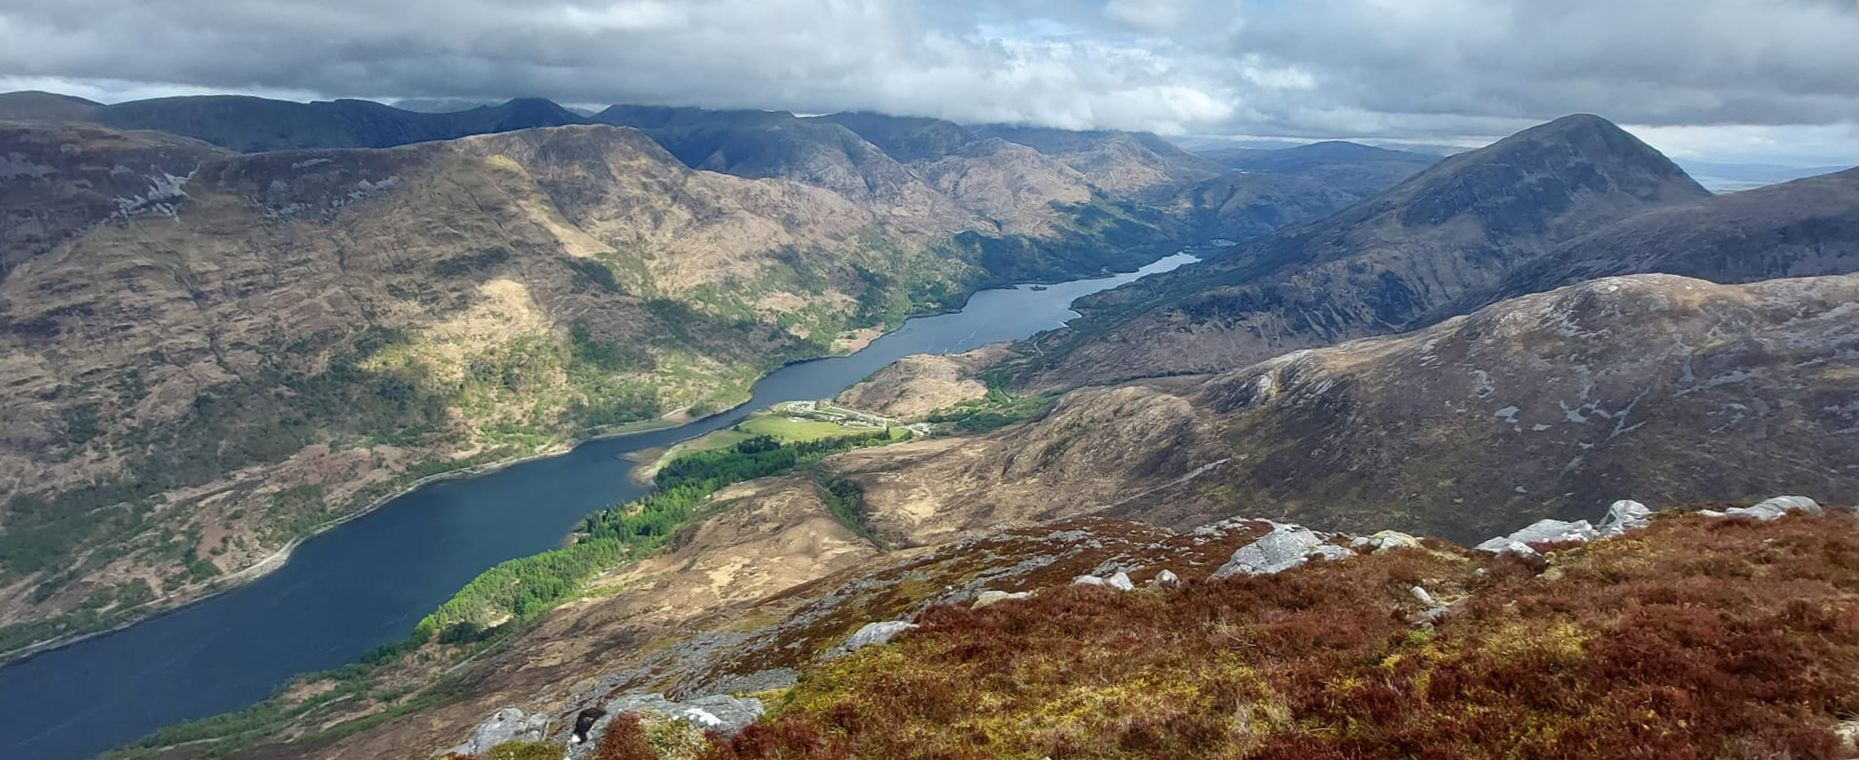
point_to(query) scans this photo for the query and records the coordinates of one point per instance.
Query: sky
(1769, 81)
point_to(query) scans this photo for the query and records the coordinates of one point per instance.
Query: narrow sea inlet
(369, 581)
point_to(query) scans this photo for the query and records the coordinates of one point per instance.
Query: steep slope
(58, 180)
(1381, 266)
(1652, 386)
(249, 124)
(1798, 229)
(286, 336)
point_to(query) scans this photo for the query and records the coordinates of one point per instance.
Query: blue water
(369, 581)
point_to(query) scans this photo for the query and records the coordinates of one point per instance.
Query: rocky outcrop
(1771, 509)
(1286, 547)
(507, 725)
(872, 634)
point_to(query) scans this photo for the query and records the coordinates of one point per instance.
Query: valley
(431, 541)
(557, 376)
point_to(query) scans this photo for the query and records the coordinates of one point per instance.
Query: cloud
(1440, 70)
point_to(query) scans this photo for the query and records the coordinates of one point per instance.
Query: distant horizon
(1718, 174)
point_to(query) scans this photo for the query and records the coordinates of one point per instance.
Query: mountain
(46, 106)
(1304, 158)
(908, 139)
(1383, 265)
(1123, 163)
(760, 144)
(1803, 228)
(250, 346)
(1343, 166)
(1658, 387)
(56, 180)
(249, 124)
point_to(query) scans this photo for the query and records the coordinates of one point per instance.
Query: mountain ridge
(1379, 266)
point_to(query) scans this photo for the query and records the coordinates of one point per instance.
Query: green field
(779, 426)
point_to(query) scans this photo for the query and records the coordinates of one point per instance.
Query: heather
(1692, 638)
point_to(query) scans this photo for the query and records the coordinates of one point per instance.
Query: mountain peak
(1546, 179)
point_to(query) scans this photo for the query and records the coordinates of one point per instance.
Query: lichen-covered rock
(1389, 540)
(1286, 547)
(989, 596)
(720, 713)
(1167, 579)
(504, 726)
(1540, 532)
(1771, 508)
(1087, 580)
(1120, 582)
(871, 635)
(1624, 515)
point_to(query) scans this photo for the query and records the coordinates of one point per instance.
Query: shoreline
(181, 599)
(275, 561)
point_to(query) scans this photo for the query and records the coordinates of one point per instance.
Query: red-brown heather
(1692, 638)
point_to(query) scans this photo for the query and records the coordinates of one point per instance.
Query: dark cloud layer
(1780, 73)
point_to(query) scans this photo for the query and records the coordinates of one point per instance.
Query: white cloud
(1706, 73)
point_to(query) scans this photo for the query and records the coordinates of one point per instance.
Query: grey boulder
(873, 634)
(1166, 579)
(504, 726)
(1543, 531)
(1624, 515)
(1286, 547)
(719, 713)
(990, 597)
(1772, 508)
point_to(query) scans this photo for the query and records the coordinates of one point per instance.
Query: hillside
(46, 106)
(989, 647)
(1350, 167)
(251, 125)
(279, 339)
(1383, 265)
(1671, 388)
(58, 180)
(1803, 228)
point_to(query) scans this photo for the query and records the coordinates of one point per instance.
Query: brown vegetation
(1694, 638)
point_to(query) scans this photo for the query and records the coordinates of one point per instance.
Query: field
(778, 426)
